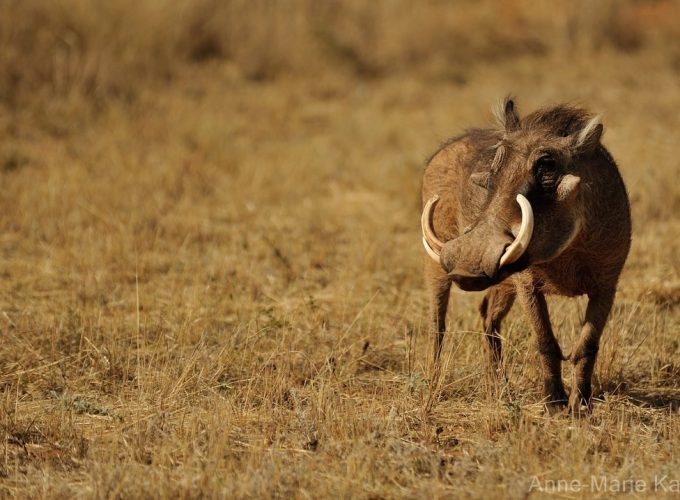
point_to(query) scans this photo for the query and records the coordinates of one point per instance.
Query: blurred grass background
(106, 50)
(210, 255)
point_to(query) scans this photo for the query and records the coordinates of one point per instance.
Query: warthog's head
(526, 195)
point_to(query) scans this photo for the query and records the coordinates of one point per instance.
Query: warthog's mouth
(470, 282)
(496, 257)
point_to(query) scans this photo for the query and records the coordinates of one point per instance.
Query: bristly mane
(561, 120)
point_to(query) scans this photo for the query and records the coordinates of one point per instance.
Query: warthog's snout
(473, 259)
(483, 256)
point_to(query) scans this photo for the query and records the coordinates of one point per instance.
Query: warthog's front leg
(494, 307)
(536, 309)
(584, 355)
(439, 289)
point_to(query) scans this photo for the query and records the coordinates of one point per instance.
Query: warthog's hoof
(580, 407)
(580, 402)
(556, 397)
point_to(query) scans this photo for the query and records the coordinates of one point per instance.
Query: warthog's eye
(547, 172)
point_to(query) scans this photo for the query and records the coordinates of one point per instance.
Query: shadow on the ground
(645, 394)
(655, 399)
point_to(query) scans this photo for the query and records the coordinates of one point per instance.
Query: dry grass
(212, 269)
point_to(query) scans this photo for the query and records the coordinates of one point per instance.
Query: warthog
(532, 208)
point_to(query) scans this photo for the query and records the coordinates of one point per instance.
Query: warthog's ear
(506, 115)
(586, 140)
(511, 116)
(481, 179)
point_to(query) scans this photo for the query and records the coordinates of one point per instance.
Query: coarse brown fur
(580, 242)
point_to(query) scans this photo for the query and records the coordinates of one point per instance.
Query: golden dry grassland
(211, 259)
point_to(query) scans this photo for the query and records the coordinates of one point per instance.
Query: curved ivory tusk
(431, 253)
(526, 229)
(433, 246)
